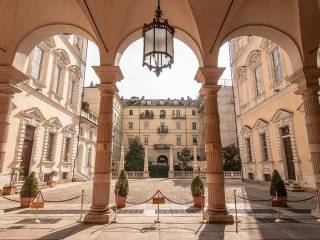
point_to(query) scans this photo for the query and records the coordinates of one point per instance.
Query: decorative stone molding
(241, 74)
(254, 58)
(247, 133)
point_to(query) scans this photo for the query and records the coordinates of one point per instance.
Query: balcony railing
(191, 174)
(179, 116)
(89, 117)
(146, 115)
(163, 129)
(130, 174)
(161, 146)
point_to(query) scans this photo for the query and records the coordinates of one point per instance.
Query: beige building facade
(44, 121)
(270, 115)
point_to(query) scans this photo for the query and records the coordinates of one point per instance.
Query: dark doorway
(27, 151)
(286, 139)
(162, 160)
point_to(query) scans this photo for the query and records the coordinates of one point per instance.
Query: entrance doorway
(162, 160)
(27, 151)
(286, 140)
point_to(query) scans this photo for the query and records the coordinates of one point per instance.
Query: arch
(273, 34)
(25, 46)
(162, 160)
(253, 58)
(179, 34)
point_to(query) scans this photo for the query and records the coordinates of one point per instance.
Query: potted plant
(197, 190)
(121, 189)
(11, 189)
(50, 181)
(29, 190)
(278, 190)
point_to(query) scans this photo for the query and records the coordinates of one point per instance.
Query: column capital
(209, 75)
(107, 88)
(9, 77)
(108, 74)
(307, 80)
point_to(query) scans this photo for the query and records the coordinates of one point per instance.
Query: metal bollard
(236, 209)
(115, 220)
(81, 205)
(203, 214)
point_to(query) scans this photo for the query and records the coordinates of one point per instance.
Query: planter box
(199, 201)
(121, 202)
(25, 202)
(9, 190)
(51, 183)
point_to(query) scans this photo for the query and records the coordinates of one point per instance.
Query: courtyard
(59, 220)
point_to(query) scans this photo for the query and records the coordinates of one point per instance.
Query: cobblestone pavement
(59, 220)
(175, 189)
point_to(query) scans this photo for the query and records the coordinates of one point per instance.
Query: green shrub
(30, 186)
(134, 160)
(122, 185)
(197, 187)
(277, 185)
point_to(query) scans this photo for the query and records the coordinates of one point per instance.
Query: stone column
(195, 160)
(171, 168)
(121, 165)
(216, 211)
(100, 212)
(146, 163)
(9, 77)
(307, 80)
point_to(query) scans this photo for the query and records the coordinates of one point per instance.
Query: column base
(146, 175)
(171, 174)
(222, 217)
(316, 213)
(98, 216)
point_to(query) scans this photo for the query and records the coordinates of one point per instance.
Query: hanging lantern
(158, 43)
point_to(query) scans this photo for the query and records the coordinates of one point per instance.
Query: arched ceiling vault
(204, 25)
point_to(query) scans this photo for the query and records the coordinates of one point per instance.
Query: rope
(65, 200)
(12, 200)
(186, 203)
(255, 200)
(301, 200)
(143, 201)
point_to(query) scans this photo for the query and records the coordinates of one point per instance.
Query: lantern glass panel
(160, 40)
(148, 41)
(169, 43)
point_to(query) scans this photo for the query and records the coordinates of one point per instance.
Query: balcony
(161, 146)
(163, 129)
(90, 117)
(179, 116)
(146, 115)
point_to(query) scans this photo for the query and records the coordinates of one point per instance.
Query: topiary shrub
(197, 187)
(30, 186)
(122, 185)
(277, 186)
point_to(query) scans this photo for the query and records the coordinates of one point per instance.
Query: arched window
(162, 114)
(254, 62)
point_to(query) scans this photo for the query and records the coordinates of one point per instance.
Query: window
(146, 140)
(178, 125)
(264, 149)
(277, 65)
(162, 114)
(130, 125)
(81, 131)
(51, 146)
(67, 150)
(57, 78)
(194, 112)
(176, 113)
(178, 140)
(130, 139)
(194, 141)
(65, 175)
(77, 42)
(258, 81)
(194, 126)
(90, 135)
(36, 63)
(146, 125)
(89, 157)
(267, 177)
(72, 92)
(250, 176)
(130, 112)
(248, 149)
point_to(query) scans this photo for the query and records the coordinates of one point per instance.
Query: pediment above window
(33, 113)
(254, 58)
(240, 74)
(260, 123)
(281, 114)
(268, 45)
(69, 128)
(63, 56)
(75, 70)
(246, 130)
(54, 122)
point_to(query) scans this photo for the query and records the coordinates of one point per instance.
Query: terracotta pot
(279, 201)
(51, 183)
(198, 201)
(121, 202)
(25, 202)
(9, 190)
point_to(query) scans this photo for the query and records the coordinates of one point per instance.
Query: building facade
(44, 121)
(270, 116)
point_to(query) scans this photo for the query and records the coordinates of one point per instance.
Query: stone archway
(162, 160)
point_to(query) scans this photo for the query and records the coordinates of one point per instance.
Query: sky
(138, 81)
